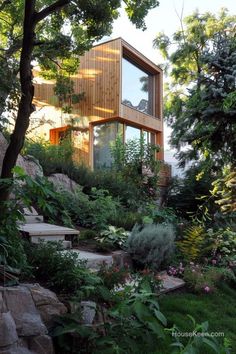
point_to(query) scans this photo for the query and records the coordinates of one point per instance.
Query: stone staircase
(37, 230)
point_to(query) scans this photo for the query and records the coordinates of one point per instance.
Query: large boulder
(28, 163)
(26, 313)
(8, 334)
(47, 304)
(26, 316)
(63, 182)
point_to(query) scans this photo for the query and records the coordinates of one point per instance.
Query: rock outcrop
(27, 312)
(28, 163)
(61, 181)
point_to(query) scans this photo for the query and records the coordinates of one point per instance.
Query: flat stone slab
(43, 229)
(94, 260)
(170, 283)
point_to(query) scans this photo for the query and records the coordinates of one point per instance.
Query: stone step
(56, 238)
(170, 283)
(33, 219)
(43, 229)
(94, 260)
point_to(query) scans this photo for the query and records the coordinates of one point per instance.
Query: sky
(164, 18)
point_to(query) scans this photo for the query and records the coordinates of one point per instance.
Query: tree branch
(5, 3)
(58, 5)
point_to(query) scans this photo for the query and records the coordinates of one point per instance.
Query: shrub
(11, 248)
(132, 159)
(94, 210)
(52, 158)
(222, 245)
(200, 280)
(151, 245)
(185, 194)
(58, 159)
(206, 279)
(131, 323)
(126, 219)
(61, 271)
(41, 193)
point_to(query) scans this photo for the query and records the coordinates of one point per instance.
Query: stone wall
(27, 313)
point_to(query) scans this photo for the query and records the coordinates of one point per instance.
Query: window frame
(143, 65)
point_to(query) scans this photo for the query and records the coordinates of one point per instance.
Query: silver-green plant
(151, 245)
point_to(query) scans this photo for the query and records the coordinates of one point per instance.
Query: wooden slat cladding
(98, 77)
(139, 118)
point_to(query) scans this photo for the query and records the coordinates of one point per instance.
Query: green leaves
(200, 97)
(137, 10)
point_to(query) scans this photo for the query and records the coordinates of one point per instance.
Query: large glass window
(137, 87)
(103, 136)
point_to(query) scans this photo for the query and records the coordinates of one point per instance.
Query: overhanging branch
(58, 5)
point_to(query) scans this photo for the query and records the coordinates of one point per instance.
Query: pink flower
(207, 289)
(214, 261)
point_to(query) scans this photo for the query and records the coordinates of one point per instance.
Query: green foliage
(199, 103)
(94, 210)
(224, 190)
(133, 323)
(64, 91)
(113, 276)
(151, 245)
(126, 219)
(113, 236)
(158, 215)
(11, 249)
(60, 271)
(58, 159)
(206, 279)
(192, 242)
(186, 194)
(41, 194)
(200, 343)
(136, 162)
(52, 158)
(221, 245)
(54, 47)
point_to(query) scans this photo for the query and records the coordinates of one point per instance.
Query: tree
(200, 103)
(52, 29)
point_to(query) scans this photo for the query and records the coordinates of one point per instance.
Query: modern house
(122, 95)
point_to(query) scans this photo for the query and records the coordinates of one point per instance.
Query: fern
(192, 243)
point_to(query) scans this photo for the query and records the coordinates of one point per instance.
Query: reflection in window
(137, 87)
(132, 133)
(104, 135)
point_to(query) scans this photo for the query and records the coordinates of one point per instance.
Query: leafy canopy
(64, 33)
(200, 101)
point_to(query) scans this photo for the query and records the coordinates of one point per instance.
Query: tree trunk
(27, 94)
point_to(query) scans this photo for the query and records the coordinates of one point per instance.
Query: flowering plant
(201, 279)
(176, 271)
